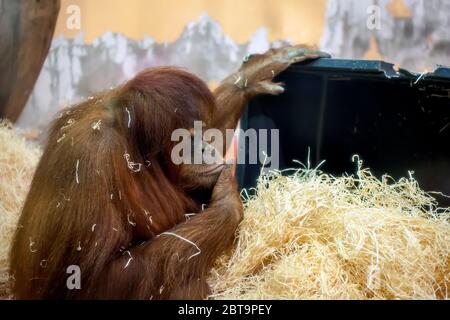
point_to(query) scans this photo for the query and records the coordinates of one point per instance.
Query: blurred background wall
(101, 43)
(164, 20)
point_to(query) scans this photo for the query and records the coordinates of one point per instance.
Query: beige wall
(299, 20)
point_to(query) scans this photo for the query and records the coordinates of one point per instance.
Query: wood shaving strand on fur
(184, 239)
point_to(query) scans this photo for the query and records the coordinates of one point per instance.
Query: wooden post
(26, 31)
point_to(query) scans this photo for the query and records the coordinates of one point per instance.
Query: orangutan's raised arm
(254, 78)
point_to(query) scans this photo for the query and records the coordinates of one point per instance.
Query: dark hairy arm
(175, 264)
(255, 77)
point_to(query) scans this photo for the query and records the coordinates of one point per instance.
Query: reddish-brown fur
(123, 228)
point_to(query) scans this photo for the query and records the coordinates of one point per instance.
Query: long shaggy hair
(105, 184)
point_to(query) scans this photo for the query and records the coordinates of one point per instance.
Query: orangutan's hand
(258, 70)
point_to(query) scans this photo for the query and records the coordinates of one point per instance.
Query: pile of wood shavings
(310, 235)
(18, 160)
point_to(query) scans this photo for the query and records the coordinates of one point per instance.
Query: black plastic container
(396, 121)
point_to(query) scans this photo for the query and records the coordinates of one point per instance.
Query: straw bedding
(306, 235)
(310, 235)
(18, 159)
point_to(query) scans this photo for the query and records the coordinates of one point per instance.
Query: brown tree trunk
(26, 31)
